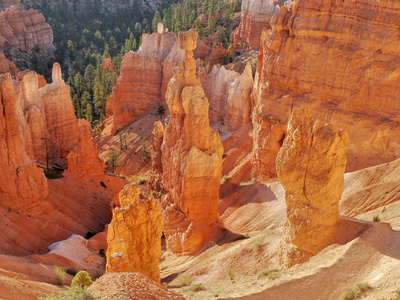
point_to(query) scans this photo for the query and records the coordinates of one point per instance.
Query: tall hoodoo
(191, 159)
(134, 235)
(310, 166)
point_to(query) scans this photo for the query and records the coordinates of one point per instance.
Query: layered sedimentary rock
(216, 84)
(22, 184)
(337, 58)
(239, 99)
(7, 67)
(134, 235)
(255, 16)
(155, 179)
(84, 159)
(229, 94)
(24, 29)
(144, 76)
(191, 159)
(108, 65)
(310, 166)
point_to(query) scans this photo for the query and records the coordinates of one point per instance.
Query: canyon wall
(23, 29)
(134, 235)
(191, 159)
(310, 167)
(23, 184)
(338, 59)
(255, 16)
(7, 66)
(229, 94)
(144, 78)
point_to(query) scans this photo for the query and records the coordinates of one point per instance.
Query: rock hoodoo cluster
(229, 94)
(310, 166)
(339, 66)
(23, 29)
(144, 78)
(193, 153)
(134, 235)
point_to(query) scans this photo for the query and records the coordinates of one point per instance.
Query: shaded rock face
(210, 51)
(7, 67)
(134, 235)
(310, 166)
(23, 29)
(255, 16)
(22, 184)
(155, 179)
(338, 60)
(191, 159)
(229, 94)
(144, 77)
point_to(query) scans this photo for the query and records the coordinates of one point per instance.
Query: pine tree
(89, 113)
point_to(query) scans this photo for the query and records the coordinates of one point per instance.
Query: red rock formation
(134, 235)
(84, 159)
(8, 3)
(310, 166)
(22, 184)
(144, 75)
(155, 179)
(108, 65)
(210, 51)
(239, 99)
(338, 60)
(191, 159)
(24, 29)
(7, 67)
(216, 84)
(255, 15)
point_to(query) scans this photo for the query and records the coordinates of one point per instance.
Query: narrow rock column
(191, 159)
(134, 235)
(310, 166)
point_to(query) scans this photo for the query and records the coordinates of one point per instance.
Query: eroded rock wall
(23, 29)
(338, 59)
(144, 76)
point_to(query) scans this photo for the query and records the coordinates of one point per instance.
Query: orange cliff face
(23, 29)
(36, 211)
(338, 60)
(191, 159)
(134, 235)
(144, 77)
(255, 16)
(22, 183)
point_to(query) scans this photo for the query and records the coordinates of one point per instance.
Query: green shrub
(355, 291)
(225, 179)
(184, 280)
(231, 273)
(271, 273)
(258, 242)
(141, 180)
(81, 280)
(376, 219)
(398, 294)
(71, 271)
(60, 275)
(197, 288)
(71, 294)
